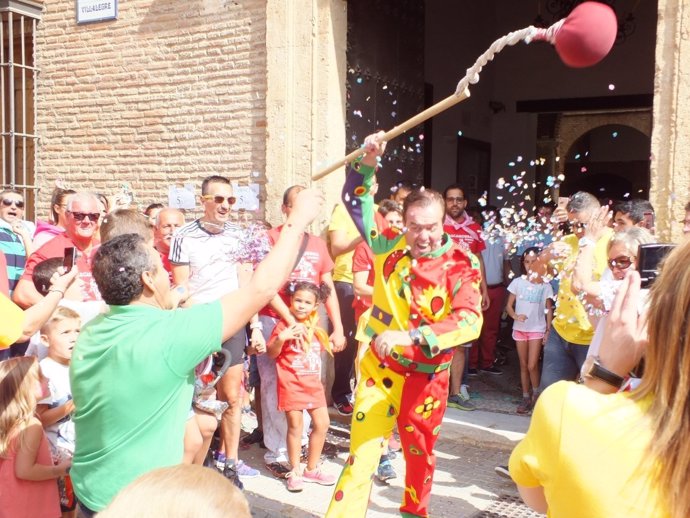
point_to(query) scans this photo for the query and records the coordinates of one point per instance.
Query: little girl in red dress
(297, 349)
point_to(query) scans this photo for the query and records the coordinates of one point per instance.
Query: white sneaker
(464, 392)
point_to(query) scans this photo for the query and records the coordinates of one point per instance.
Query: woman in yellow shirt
(592, 451)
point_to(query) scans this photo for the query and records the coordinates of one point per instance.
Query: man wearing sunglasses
(566, 347)
(206, 256)
(15, 235)
(82, 215)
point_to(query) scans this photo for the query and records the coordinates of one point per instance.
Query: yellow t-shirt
(570, 318)
(11, 322)
(341, 220)
(586, 450)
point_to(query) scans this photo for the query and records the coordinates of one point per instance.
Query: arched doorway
(610, 161)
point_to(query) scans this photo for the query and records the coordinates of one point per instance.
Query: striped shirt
(212, 259)
(15, 253)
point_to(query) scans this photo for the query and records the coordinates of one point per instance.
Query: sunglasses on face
(17, 203)
(622, 262)
(220, 199)
(81, 216)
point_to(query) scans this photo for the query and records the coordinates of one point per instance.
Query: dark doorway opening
(610, 161)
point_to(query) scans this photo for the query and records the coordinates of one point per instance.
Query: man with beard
(467, 234)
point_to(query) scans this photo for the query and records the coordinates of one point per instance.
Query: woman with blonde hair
(47, 230)
(183, 491)
(29, 486)
(593, 451)
(622, 251)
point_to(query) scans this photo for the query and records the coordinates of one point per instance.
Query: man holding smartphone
(82, 217)
(571, 331)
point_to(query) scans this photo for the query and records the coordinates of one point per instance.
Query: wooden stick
(410, 123)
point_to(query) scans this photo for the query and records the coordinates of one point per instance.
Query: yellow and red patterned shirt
(437, 293)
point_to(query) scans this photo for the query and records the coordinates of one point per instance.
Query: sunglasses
(220, 199)
(81, 216)
(17, 203)
(621, 262)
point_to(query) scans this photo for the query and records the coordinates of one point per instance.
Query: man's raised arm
(357, 197)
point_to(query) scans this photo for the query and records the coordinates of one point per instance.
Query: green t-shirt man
(132, 382)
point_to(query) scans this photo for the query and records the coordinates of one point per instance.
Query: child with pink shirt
(29, 477)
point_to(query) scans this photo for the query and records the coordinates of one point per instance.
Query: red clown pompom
(587, 35)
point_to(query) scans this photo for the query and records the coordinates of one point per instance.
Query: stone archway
(572, 126)
(611, 161)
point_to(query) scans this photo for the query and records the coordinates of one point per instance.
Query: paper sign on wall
(89, 11)
(247, 196)
(181, 197)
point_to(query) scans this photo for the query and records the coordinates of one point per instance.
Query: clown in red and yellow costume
(426, 301)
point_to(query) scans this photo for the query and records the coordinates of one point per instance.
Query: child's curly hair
(321, 292)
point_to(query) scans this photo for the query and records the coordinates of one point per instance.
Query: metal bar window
(18, 77)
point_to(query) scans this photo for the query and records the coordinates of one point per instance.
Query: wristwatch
(594, 369)
(416, 336)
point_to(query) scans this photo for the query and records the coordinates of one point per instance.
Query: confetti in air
(255, 243)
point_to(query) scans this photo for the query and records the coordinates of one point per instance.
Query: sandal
(278, 470)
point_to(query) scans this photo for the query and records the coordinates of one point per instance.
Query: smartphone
(563, 202)
(648, 259)
(69, 258)
(648, 218)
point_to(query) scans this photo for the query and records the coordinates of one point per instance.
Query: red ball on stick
(586, 35)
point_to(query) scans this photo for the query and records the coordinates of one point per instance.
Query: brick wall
(172, 91)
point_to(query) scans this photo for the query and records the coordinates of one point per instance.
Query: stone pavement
(471, 444)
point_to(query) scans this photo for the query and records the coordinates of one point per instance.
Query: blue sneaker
(385, 471)
(244, 470)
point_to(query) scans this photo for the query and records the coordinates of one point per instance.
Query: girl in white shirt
(530, 306)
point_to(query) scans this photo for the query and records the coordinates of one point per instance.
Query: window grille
(18, 77)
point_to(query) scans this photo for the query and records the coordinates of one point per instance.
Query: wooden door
(385, 82)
